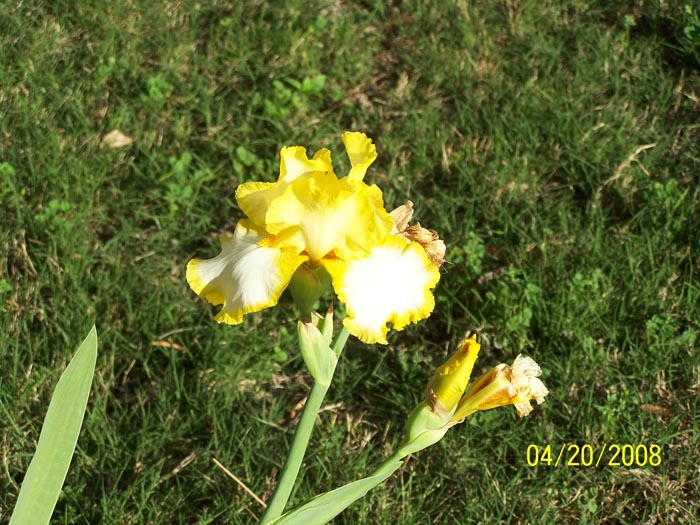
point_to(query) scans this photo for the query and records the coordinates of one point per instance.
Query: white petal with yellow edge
(391, 285)
(245, 277)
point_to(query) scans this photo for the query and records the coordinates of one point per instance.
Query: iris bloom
(448, 400)
(515, 384)
(310, 224)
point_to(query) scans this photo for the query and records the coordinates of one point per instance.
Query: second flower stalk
(447, 402)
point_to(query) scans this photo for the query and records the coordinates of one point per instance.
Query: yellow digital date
(574, 455)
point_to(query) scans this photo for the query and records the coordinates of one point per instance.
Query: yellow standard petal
(391, 285)
(254, 198)
(294, 163)
(319, 214)
(361, 151)
(245, 277)
(450, 380)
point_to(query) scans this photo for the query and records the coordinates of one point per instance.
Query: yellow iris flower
(448, 400)
(310, 220)
(517, 384)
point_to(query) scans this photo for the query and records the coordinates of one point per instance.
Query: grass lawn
(554, 145)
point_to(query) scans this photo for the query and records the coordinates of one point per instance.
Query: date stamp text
(608, 455)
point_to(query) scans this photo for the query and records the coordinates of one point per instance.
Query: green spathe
(314, 342)
(425, 428)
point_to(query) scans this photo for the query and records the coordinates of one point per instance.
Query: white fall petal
(245, 277)
(391, 285)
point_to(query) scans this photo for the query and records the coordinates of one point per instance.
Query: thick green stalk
(290, 471)
(296, 454)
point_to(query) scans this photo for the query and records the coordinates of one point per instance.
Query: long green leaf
(59, 435)
(327, 506)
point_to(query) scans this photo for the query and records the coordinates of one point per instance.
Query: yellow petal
(319, 215)
(450, 380)
(361, 152)
(294, 163)
(245, 277)
(504, 385)
(391, 285)
(254, 198)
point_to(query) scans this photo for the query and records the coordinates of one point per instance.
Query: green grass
(554, 146)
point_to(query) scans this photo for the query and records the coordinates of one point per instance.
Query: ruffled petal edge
(391, 285)
(245, 277)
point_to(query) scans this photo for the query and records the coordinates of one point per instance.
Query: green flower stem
(296, 454)
(290, 471)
